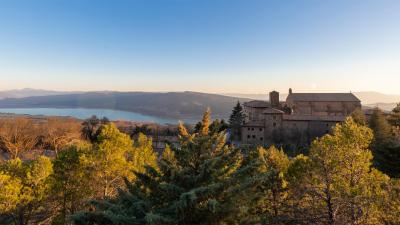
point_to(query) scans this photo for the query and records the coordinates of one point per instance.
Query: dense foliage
(112, 179)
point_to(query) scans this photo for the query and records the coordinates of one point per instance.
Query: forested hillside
(181, 105)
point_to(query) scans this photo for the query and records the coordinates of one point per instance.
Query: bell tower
(274, 99)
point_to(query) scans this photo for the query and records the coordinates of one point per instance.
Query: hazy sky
(212, 46)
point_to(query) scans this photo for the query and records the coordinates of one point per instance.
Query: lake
(82, 113)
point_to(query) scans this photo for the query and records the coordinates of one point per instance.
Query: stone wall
(253, 114)
(324, 108)
(254, 135)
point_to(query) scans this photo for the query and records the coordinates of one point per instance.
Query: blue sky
(212, 46)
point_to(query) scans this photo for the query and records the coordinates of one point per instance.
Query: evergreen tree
(236, 121)
(381, 127)
(29, 191)
(359, 117)
(386, 155)
(218, 126)
(71, 183)
(142, 154)
(394, 118)
(195, 184)
(340, 185)
(91, 127)
(10, 192)
(269, 192)
(108, 159)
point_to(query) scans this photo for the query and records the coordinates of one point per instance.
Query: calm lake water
(81, 113)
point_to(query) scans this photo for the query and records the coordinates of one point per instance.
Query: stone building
(298, 120)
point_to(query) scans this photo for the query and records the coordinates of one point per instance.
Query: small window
(327, 132)
(261, 138)
(248, 136)
(248, 128)
(274, 124)
(327, 125)
(254, 136)
(260, 129)
(252, 129)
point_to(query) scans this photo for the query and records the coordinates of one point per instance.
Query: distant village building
(298, 120)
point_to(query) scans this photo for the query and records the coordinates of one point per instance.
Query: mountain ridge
(180, 105)
(184, 105)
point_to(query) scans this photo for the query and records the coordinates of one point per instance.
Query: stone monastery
(298, 120)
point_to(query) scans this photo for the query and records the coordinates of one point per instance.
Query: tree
(388, 158)
(394, 118)
(142, 154)
(194, 184)
(381, 127)
(9, 192)
(32, 183)
(108, 159)
(71, 183)
(92, 128)
(18, 135)
(216, 126)
(269, 192)
(392, 204)
(342, 184)
(58, 133)
(359, 117)
(385, 154)
(236, 121)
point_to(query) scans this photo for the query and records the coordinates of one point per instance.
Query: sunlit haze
(208, 46)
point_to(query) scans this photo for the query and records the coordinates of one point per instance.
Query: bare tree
(18, 135)
(59, 133)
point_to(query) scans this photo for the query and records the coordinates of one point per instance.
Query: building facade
(298, 120)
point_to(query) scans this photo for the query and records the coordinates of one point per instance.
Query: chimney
(290, 91)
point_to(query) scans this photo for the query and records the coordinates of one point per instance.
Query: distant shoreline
(84, 113)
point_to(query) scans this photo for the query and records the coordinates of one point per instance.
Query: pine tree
(236, 120)
(195, 184)
(71, 184)
(91, 128)
(381, 127)
(359, 117)
(108, 159)
(394, 118)
(340, 185)
(269, 190)
(30, 190)
(386, 155)
(142, 154)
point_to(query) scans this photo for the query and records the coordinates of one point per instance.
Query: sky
(218, 46)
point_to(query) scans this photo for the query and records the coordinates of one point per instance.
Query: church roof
(272, 111)
(323, 97)
(257, 104)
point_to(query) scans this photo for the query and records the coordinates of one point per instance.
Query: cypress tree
(236, 120)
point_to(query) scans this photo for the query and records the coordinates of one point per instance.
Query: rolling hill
(180, 105)
(29, 92)
(177, 105)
